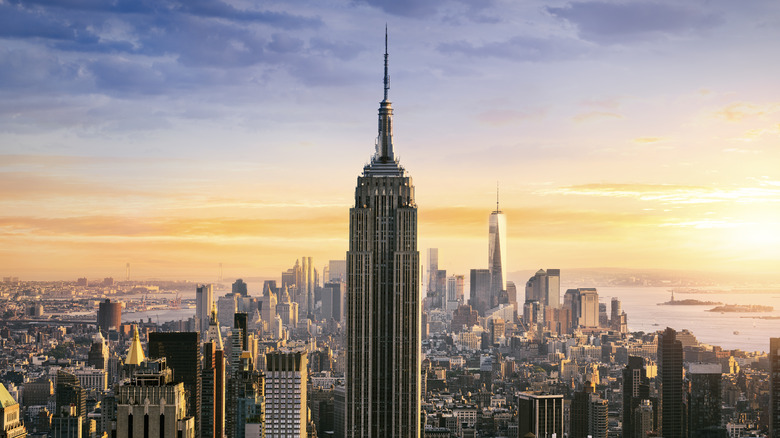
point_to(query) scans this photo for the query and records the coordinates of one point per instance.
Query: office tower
(204, 295)
(497, 254)
(285, 394)
(511, 293)
(66, 424)
(213, 333)
(212, 400)
(98, 353)
(337, 270)
(287, 310)
(240, 288)
(309, 289)
(227, 306)
(704, 402)
(636, 388)
(10, 418)
(383, 310)
(586, 302)
(618, 320)
(545, 287)
(540, 414)
(249, 395)
(642, 420)
(240, 321)
(181, 351)
(774, 409)
(332, 300)
(670, 375)
(455, 291)
(433, 269)
(552, 295)
(109, 316)
(70, 392)
(269, 304)
(588, 414)
(479, 290)
(151, 405)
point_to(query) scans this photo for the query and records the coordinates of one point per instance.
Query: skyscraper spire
(387, 76)
(384, 143)
(497, 209)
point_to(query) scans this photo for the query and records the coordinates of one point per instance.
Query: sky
(178, 135)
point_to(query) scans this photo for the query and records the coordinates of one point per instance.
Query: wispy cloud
(616, 22)
(646, 140)
(596, 115)
(674, 194)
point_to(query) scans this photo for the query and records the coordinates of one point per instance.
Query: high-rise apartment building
(182, 353)
(285, 394)
(670, 375)
(497, 254)
(383, 303)
(204, 295)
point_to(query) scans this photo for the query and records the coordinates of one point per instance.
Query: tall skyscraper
(774, 409)
(181, 351)
(670, 374)
(286, 377)
(636, 387)
(204, 295)
(109, 316)
(479, 290)
(497, 254)
(383, 310)
(433, 268)
(704, 401)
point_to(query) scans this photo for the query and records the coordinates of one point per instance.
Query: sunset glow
(182, 139)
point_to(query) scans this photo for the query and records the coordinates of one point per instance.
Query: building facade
(383, 303)
(286, 394)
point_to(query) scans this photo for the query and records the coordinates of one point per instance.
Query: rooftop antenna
(497, 209)
(387, 76)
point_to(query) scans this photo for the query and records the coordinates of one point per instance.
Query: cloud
(501, 117)
(739, 111)
(674, 194)
(618, 22)
(519, 48)
(647, 140)
(596, 115)
(429, 8)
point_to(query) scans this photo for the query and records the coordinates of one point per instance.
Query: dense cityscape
(384, 343)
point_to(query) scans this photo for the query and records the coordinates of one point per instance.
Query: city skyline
(624, 134)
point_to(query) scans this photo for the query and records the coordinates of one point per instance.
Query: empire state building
(383, 299)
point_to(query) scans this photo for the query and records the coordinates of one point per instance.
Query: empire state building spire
(384, 142)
